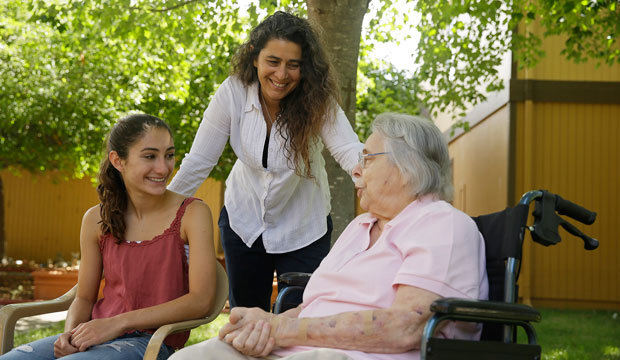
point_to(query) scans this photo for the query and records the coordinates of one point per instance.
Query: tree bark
(342, 24)
(2, 237)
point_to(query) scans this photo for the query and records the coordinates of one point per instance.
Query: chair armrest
(295, 278)
(221, 295)
(485, 310)
(160, 335)
(9, 315)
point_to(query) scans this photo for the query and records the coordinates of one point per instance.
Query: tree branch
(166, 9)
(173, 7)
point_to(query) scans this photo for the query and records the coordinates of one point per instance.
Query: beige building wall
(480, 165)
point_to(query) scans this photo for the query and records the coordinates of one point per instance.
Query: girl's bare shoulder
(93, 214)
(197, 207)
(91, 222)
(198, 210)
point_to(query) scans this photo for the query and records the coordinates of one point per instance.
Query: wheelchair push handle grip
(588, 242)
(574, 211)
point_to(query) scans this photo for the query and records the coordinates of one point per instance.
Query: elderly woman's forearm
(378, 331)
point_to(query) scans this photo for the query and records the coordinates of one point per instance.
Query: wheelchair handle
(546, 218)
(588, 242)
(574, 211)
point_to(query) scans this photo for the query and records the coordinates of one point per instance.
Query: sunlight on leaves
(611, 352)
(455, 71)
(556, 354)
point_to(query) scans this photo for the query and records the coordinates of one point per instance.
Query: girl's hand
(63, 347)
(95, 332)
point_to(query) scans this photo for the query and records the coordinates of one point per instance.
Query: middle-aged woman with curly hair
(278, 108)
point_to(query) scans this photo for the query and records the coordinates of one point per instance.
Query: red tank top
(139, 275)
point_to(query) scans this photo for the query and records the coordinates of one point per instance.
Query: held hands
(63, 347)
(94, 332)
(248, 331)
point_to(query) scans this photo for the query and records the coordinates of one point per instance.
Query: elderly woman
(370, 297)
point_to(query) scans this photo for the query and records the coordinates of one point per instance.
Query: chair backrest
(503, 238)
(221, 291)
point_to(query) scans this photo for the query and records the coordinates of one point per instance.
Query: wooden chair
(9, 315)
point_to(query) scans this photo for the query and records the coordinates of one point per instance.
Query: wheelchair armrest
(290, 283)
(281, 304)
(480, 311)
(485, 310)
(295, 278)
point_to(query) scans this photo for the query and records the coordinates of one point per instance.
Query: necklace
(266, 108)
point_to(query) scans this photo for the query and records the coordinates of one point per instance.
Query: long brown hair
(304, 111)
(111, 188)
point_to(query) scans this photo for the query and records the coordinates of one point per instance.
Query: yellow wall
(212, 192)
(554, 65)
(569, 149)
(42, 217)
(572, 150)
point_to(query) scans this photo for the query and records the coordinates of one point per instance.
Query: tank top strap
(176, 223)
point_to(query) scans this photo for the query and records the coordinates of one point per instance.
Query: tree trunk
(2, 238)
(342, 24)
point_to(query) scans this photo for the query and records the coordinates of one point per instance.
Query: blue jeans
(126, 347)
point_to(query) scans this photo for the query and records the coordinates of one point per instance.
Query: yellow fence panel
(555, 66)
(573, 150)
(43, 216)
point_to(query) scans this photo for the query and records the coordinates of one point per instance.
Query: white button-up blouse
(288, 210)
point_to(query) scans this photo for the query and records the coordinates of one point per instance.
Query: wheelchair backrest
(503, 238)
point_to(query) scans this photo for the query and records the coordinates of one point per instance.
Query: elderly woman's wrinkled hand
(248, 331)
(241, 317)
(253, 339)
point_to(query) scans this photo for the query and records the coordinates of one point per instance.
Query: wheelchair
(500, 316)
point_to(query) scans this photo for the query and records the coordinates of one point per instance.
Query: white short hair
(419, 150)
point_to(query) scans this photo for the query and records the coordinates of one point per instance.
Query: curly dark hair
(111, 188)
(303, 111)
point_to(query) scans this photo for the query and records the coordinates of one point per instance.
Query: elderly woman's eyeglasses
(361, 158)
